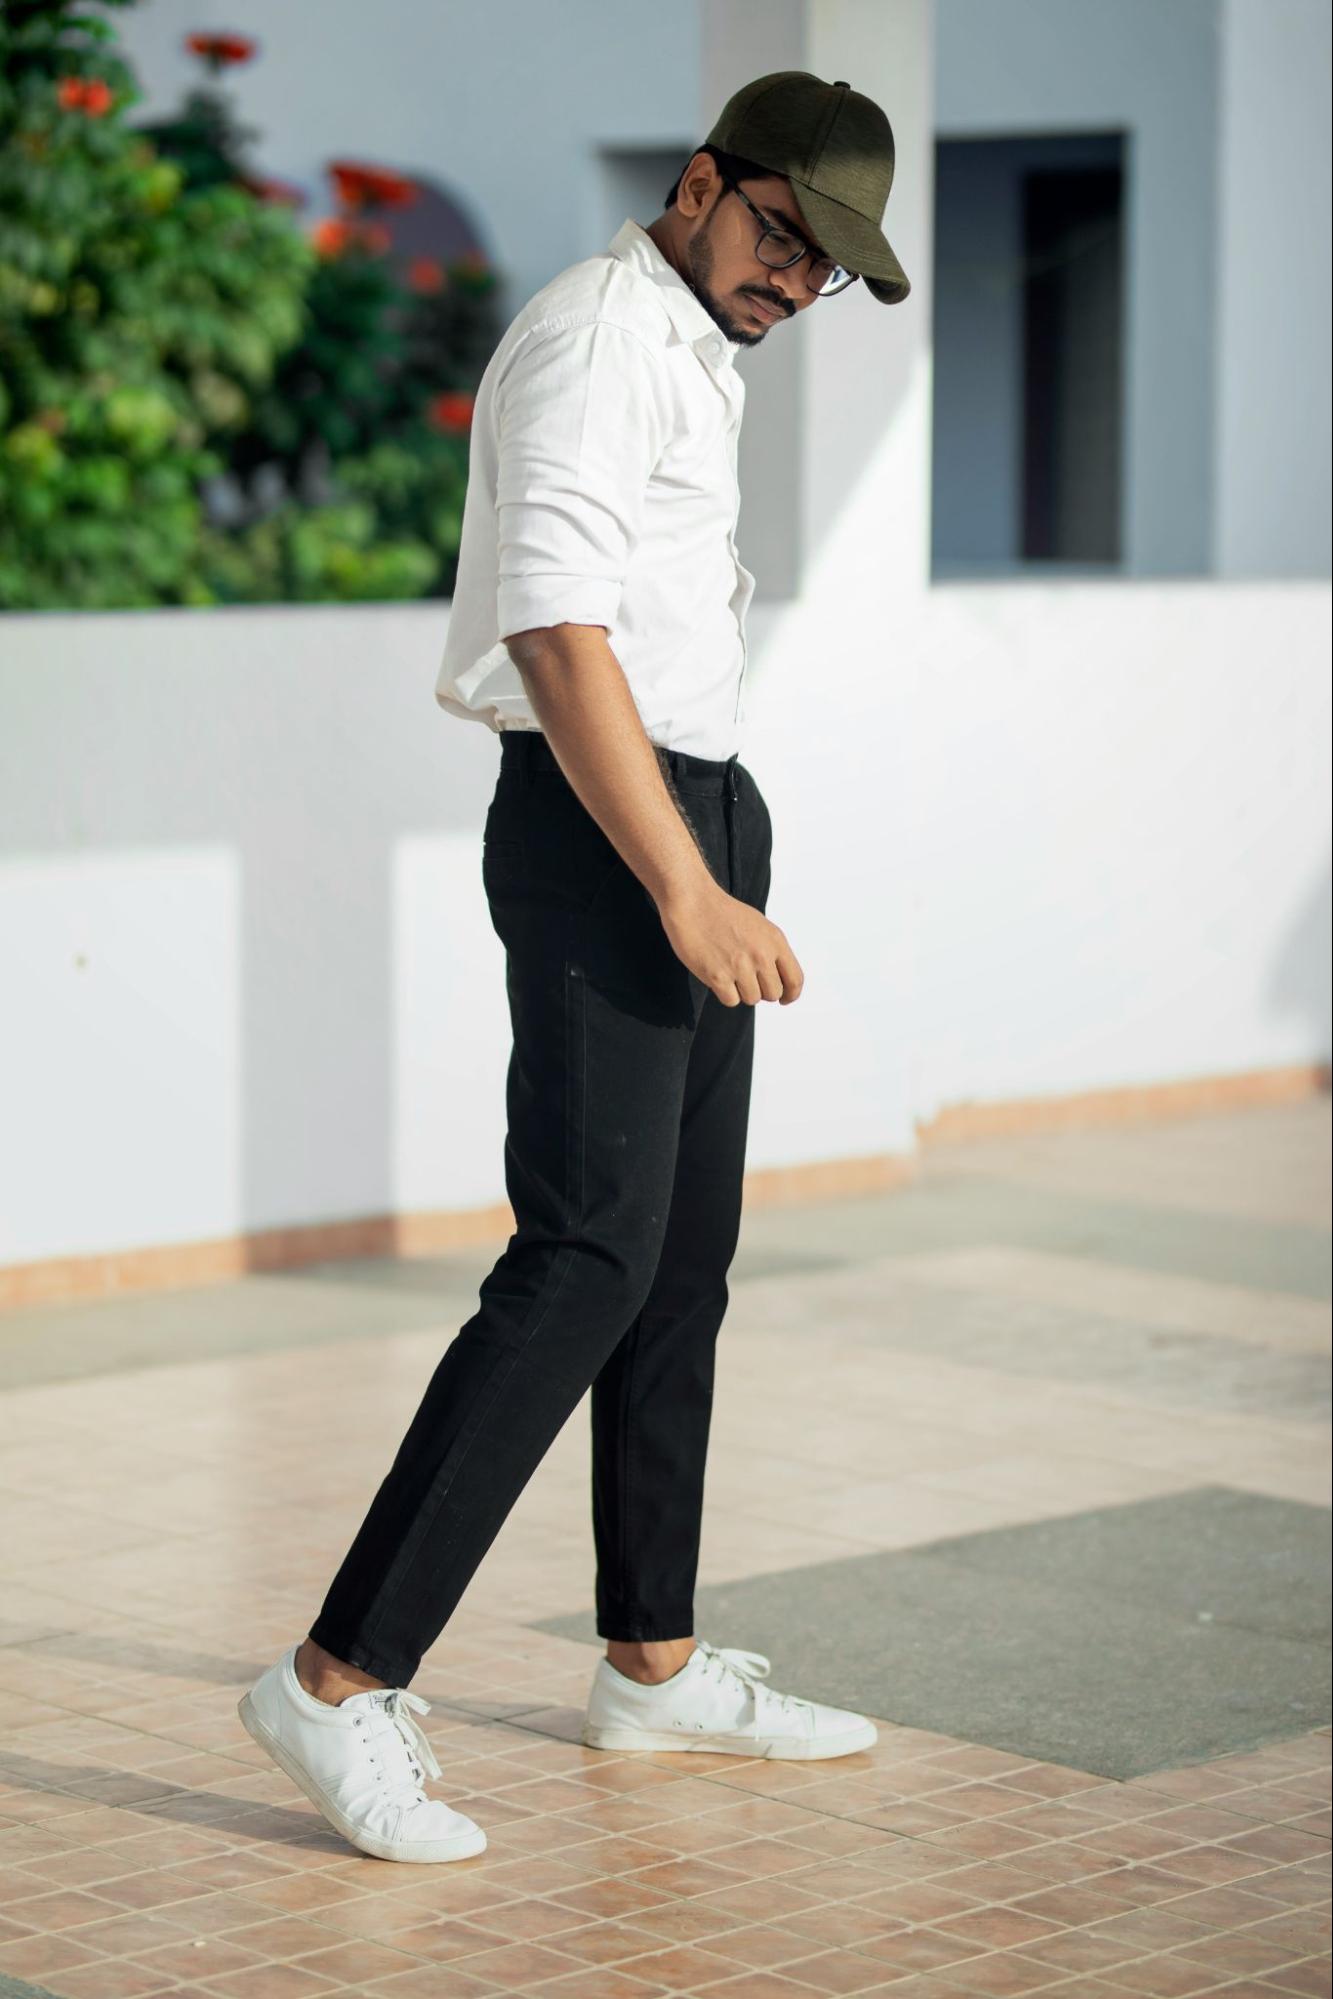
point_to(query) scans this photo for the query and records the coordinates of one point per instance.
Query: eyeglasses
(780, 248)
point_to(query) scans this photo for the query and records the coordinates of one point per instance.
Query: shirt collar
(633, 245)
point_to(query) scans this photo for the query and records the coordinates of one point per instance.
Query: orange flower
(450, 411)
(221, 48)
(426, 274)
(336, 234)
(371, 187)
(332, 236)
(89, 94)
(474, 262)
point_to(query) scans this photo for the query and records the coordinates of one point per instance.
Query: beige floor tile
(1274, 1319)
(172, 1530)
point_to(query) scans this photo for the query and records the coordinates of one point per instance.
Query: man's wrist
(683, 885)
(681, 890)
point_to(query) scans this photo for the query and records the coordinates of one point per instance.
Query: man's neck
(661, 232)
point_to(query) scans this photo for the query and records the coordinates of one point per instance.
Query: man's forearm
(581, 698)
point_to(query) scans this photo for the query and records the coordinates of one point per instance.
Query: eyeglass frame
(767, 228)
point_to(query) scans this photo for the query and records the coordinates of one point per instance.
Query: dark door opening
(1072, 417)
(1029, 358)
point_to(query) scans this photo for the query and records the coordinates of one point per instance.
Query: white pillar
(835, 522)
(1273, 406)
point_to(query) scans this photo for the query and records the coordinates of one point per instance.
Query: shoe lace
(730, 1663)
(404, 1739)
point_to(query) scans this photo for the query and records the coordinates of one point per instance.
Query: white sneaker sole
(460, 1847)
(790, 1748)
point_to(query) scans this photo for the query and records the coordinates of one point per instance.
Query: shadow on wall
(1301, 983)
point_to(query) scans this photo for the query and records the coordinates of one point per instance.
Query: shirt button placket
(736, 560)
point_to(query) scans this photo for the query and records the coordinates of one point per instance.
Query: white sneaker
(717, 1702)
(361, 1763)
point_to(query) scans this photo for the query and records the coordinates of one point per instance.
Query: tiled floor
(1106, 1352)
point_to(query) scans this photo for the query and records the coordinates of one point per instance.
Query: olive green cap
(836, 148)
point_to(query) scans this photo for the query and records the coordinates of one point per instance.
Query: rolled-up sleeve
(581, 422)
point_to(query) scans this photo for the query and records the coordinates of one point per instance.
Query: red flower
(336, 234)
(332, 236)
(371, 187)
(426, 274)
(451, 411)
(221, 48)
(89, 94)
(474, 262)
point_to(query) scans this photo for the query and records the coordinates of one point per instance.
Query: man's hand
(582, 701)
(730, 945)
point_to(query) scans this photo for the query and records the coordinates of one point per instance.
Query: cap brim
(856, 243)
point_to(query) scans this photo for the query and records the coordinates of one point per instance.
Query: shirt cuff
(524, 602)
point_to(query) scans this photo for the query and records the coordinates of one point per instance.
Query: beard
(699, 262)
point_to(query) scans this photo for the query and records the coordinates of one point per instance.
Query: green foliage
(167, 337)
(348, 408)
(417, 490)
(136, 321)
(308, 555)
(201, 139)
(334, 389)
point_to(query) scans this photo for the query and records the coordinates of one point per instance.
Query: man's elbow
(542, 646)
(529, 648)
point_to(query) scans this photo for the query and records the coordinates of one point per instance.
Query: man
(598, 629)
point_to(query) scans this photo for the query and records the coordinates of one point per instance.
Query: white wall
(1274, 411)
(1122, 841)
(1228, 362)
(1025, 67)
(250, 979)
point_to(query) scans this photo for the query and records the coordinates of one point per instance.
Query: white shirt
(602, 490)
